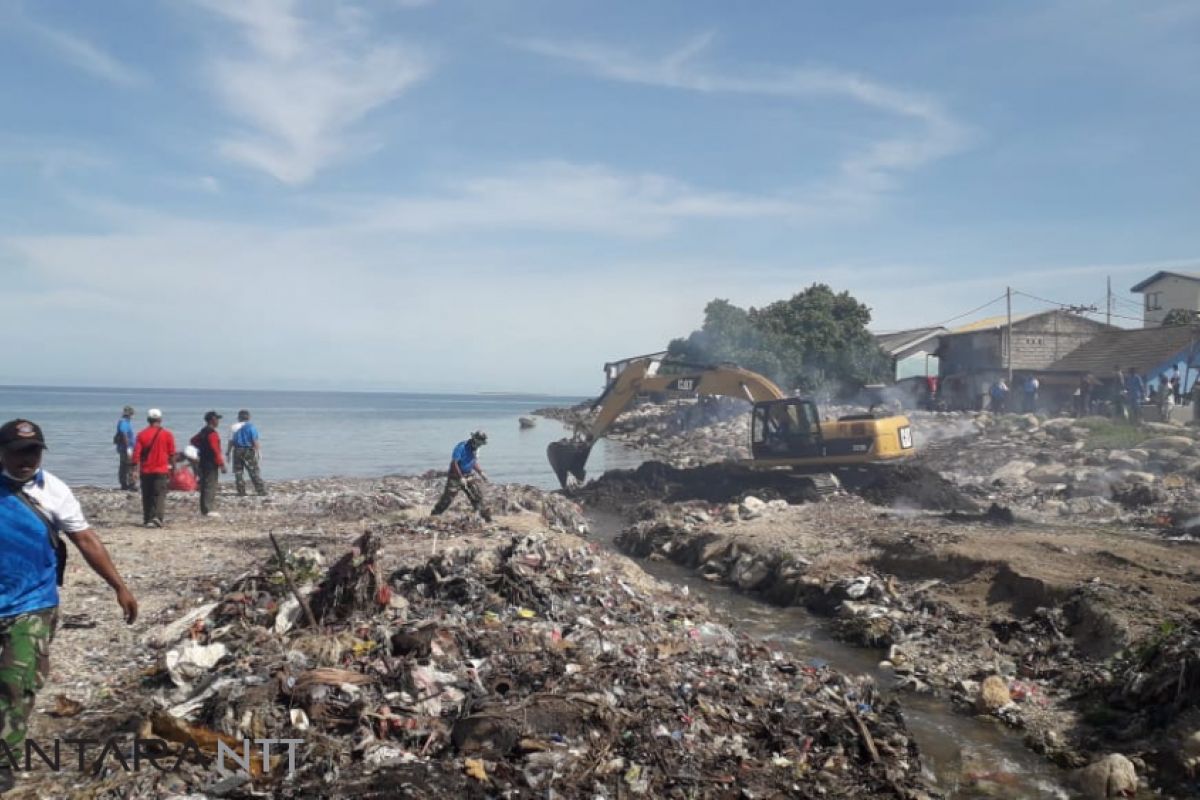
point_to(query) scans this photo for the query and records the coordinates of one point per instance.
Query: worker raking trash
(462, 476)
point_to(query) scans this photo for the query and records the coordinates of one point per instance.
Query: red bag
(182, 480)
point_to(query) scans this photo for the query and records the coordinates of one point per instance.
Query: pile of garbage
(347, 499)
(537, 667)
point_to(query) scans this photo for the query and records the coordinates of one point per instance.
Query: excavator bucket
(568, 457)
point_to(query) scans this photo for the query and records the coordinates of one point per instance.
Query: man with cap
(464, 463)
(245, 451)
(123, 439)
(153, 455)
(36, 511)
(208, 443)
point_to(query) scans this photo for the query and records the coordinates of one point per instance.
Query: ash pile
(530, 669)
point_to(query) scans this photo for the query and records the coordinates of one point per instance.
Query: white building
(1165, 291)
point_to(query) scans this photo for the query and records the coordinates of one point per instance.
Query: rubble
(531, 667)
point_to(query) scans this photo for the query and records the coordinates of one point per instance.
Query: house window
(1153, 301)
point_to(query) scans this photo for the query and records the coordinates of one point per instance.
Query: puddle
(968, 758)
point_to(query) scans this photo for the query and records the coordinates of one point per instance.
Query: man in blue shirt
(123, 439)
(36, 511)
(464, 463)
(245, 449)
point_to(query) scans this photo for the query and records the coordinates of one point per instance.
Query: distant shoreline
(243, 391)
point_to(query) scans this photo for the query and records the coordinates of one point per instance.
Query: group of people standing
(150, 461)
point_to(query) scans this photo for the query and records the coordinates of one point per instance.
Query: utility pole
(1108, 304)
(1008, 337)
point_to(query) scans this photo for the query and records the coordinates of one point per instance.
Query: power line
(1073, 307)
(968, 313)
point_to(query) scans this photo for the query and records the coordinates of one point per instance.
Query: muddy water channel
(967, 757)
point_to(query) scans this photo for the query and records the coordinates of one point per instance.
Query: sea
(310, 434)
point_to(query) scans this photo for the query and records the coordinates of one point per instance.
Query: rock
(750, 572)
(526, 422)
(1168, 443)
(1121, 459)
(1029, 422)
(993, 695)
(1111, 776)
(1049, 473)
(1013, 472)
(751, 507)
(1093, 506)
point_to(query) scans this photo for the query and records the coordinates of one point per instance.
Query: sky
(501, 195)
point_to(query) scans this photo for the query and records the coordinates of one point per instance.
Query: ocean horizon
(309, 433)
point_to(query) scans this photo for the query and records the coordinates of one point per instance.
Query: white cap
(154, 413)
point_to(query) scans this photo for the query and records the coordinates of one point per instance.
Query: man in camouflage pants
(464, 466)
(244, 450)
(36, 511)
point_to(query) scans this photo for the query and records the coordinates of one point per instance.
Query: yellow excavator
(785, 432)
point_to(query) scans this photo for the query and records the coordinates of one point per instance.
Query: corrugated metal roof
(1141, 348)
(899, 341)
(999, 321)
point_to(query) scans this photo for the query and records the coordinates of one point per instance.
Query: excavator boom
(568, 457)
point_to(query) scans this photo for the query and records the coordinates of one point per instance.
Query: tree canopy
(815, 340)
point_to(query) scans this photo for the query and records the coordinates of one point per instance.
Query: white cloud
(301, 85)
(86, 56)
(862, 175)
(561, 196)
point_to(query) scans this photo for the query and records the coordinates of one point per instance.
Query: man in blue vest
(123, 439)
(464, 464)
(36, 510)
(245, 451)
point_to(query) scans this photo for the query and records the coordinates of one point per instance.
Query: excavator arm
(569, 456)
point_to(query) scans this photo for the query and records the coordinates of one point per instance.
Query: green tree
(817, 339)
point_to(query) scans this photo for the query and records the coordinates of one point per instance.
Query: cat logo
(906, 442)
(685, 384)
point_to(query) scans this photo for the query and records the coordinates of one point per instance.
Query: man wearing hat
(123, 439)
(208, 443)
(36, 511)
(463, 464)
(153, 455)
(244, 450)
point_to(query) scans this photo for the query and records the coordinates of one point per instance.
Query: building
(913, 352)
(975, 356)
(1150, 351)
(1165, 291)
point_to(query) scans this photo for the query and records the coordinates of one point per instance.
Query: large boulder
(1049, 473)
(1123, 459)
(1013, 472)
(1177, 443)
(993, 695)
(1111, 776)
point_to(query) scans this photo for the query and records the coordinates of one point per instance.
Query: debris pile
(530, 668)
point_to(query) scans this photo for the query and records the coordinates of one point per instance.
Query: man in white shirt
(36, 509)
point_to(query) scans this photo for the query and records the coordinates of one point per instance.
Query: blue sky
(501, 195)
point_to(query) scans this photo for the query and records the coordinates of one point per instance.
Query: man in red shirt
(208, 442)
(153, 453)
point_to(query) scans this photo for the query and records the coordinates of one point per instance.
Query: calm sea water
(309, 434)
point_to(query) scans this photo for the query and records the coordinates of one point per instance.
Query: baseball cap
(211, 415)
(127, 411)
(19, 434)
(154, 413)
(480, 437)
(243, 414)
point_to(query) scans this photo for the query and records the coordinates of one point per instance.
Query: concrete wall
(1168, 293)
(1039, 342)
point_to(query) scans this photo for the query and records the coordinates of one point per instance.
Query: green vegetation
(1113, 434)
(815, 340)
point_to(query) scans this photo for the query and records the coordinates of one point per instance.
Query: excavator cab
(787, 428)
